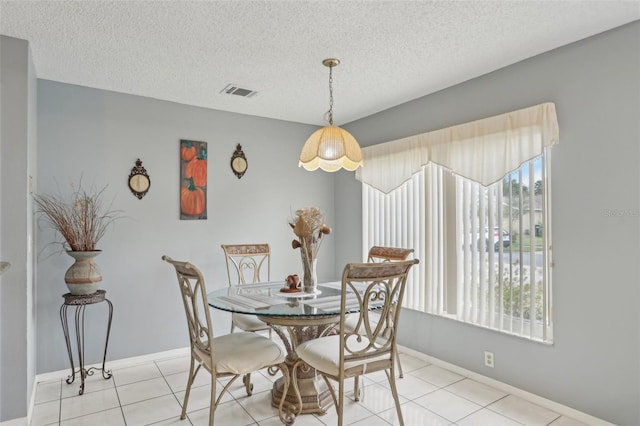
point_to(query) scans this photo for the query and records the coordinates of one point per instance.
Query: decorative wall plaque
(139, 181)
(239, 162)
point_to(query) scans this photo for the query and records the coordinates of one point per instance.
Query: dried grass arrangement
(308, 225)
(81, 219)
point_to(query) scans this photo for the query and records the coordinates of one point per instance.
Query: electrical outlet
(489, 359)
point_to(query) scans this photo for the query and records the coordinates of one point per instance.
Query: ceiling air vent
(233, 89)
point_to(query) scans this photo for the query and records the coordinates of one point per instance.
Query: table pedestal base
(316, 396)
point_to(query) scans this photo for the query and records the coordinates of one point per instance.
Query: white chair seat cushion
(351, 320)
(244, 352)
(248, 322)
(323, 354)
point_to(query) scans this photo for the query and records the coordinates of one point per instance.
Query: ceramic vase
(84, 276)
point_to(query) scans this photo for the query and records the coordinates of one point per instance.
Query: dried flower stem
(82, 220)
(309, 227)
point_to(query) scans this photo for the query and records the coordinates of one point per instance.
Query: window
(484, 249)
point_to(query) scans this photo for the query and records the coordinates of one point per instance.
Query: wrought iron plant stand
(80, 302)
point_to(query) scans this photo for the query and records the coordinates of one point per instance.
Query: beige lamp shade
(330, 149)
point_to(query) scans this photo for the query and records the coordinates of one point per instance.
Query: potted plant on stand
(81, 219)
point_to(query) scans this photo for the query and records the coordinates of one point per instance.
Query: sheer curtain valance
(482, 150)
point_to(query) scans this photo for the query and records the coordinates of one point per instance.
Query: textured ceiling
(391, 51)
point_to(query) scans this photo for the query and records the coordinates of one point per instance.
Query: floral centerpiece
(82, 220)
(309, 228)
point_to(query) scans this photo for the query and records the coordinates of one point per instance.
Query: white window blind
(484, 250)
(396, 220)
(503, 259)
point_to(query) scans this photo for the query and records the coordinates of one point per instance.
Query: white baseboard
(536, 399)
(15, 422)
(116, 364)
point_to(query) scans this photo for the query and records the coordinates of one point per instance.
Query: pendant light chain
(331, 95)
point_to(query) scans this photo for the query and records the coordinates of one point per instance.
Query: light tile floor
(151, 392)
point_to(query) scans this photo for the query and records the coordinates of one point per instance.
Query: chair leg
(212, 401)
(394, 391)
(246, 379)
(401, 375)
(356, 388)
(186, 394)
(340, 402)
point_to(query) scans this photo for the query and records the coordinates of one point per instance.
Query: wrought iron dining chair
(381, 254)
(390, 254)
(371, 345)
(247, 264)
(232, 355)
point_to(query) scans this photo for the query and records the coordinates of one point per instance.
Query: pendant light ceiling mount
(331, 148)
(331, 62)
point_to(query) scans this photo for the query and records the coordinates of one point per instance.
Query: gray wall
(99, 135)
(593, 365)
(17, 161)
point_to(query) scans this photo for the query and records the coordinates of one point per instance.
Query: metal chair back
(388, 254)
(247, 263)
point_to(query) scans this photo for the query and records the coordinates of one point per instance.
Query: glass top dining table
(271, 299)
(295, 318)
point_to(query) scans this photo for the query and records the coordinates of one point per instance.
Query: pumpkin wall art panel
(193, 180)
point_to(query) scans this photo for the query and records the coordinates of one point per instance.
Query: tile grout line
(172, 391)
(115, 386)
(60, 404)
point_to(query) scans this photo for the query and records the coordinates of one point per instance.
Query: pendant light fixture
(331, 148)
